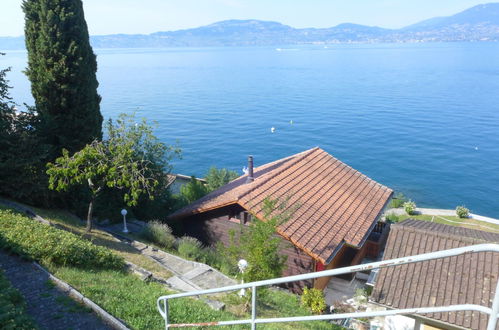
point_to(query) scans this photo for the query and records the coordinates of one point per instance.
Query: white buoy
(291, 122)
(272, 129)
(476, 148)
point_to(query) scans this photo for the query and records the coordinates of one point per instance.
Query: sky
(148, 16)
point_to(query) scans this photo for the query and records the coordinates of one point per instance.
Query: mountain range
(479, 23)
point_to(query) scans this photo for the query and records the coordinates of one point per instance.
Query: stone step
(180, 284)
(196, 272)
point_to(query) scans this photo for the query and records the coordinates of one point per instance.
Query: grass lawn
(98, 237)
(276, 303)
(454, 221)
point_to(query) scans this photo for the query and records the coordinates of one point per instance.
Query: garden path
(48, 305)
(188, 275)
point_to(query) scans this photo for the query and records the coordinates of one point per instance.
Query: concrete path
(188, 275)
(443, 212)
(49, 306)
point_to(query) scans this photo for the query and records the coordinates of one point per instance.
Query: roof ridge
(275, 172)
(405, 225)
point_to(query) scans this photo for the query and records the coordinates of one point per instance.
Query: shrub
(313, 299)
(217, 259)
(193, 190)
(259, 245)
(37, 241)
(12, 308)
(158, 233)
(361, 296)
(189, 247)
(462, 212)
(216, 178)
(392, 217)
(398, 200)
(410, 207)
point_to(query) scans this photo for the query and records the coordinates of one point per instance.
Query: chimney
(250, 170)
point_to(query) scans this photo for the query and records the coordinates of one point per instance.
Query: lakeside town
(99, 231)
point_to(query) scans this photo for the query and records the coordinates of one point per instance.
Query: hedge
(36, 241)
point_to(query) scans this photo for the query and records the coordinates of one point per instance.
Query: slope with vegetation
(118, 291)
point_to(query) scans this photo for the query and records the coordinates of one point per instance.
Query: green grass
(127, 297)
(12, 307)
(454, 221)
(71, 223)
(72, 306)
(33, 240)
(275, 303)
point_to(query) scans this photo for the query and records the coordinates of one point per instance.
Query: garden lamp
(242, 265)
(123, 213)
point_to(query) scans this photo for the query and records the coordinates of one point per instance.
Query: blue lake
(422, 119)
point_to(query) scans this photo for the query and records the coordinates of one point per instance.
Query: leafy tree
(62, 70)
(131, 159)
(192, 191)
(260, 245)
(22, 152)
(217, 178)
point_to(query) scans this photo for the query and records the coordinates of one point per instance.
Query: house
(464, 279)
(335, 209)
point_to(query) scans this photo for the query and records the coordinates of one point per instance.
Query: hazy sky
(146, 16)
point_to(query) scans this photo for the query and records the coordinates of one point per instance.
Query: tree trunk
(89, 215)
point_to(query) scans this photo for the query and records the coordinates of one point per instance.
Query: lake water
(420, 118)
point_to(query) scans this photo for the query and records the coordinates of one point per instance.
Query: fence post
(165, 303)
(253, 307)
(495, 310)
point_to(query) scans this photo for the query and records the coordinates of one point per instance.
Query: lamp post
(123, 213)
(242, 265)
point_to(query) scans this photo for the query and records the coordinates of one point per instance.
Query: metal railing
(493, 312)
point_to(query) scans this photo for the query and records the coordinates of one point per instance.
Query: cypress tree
(62, 69)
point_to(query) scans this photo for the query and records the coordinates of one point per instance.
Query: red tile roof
(465, 279)
(333, 203)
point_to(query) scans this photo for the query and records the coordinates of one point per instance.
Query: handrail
(162, 302)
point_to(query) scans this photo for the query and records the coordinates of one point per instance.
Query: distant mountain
(475, 24)
(479, 23)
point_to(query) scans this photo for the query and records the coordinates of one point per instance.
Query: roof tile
(331, 202)
(469, 278)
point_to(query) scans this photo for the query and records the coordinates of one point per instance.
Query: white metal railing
(493, 312)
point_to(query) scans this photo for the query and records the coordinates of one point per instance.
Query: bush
(392, 218)
(216, 259)
(40, 242)
(398, 200)
(12, 308)
(216, 178)
(158, 233)
(189, 247)
(462, 212)
(361, 296)
(313, 299)
(410, 207)
(259, 245)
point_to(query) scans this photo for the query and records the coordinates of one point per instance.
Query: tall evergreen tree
(62, 69)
